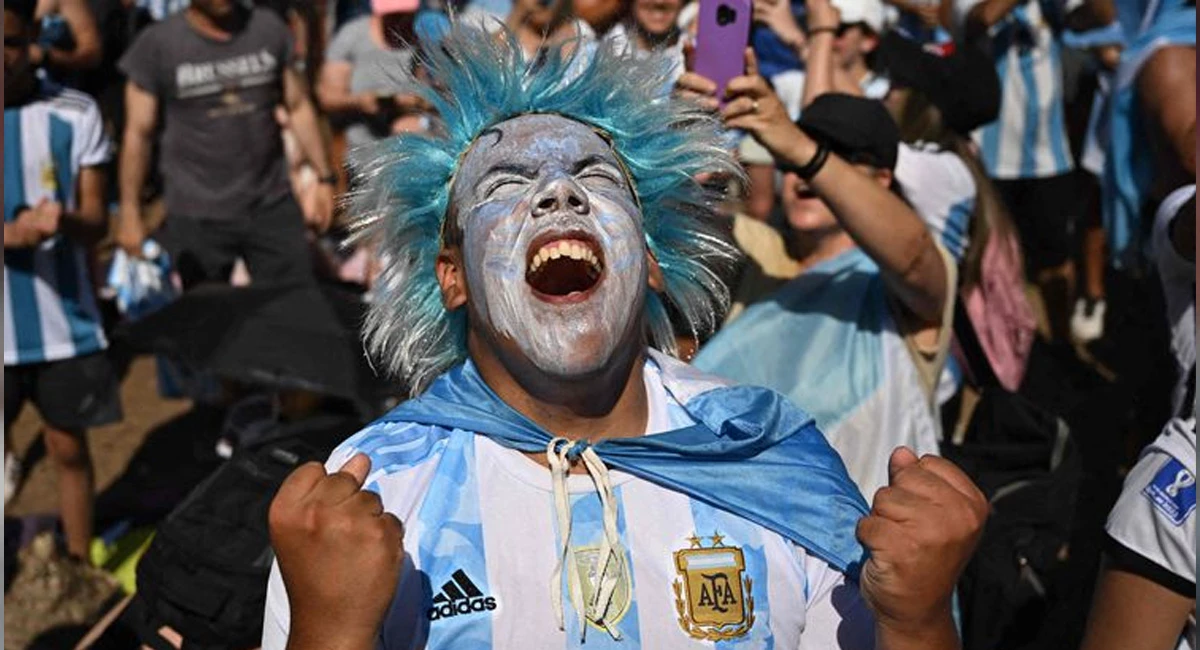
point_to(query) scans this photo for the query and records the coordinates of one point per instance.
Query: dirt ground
(112, 446)
(122, 454)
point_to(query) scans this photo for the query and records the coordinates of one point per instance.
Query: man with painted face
(561, 480)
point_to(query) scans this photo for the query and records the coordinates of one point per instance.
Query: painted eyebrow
(510, 168)
(594, 159)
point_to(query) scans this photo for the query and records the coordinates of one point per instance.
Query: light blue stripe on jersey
(587, 529)
(1058, 132)
(452, 540)
(78, 304)
(21, 300)
(836, 312)
(395, 447)
(990, 145)
(1029, 139)
(954, 236)
(748, 537)
(1033, 122)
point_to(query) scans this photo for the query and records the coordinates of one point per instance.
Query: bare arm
(141, 116)
(884, 226)
(333, 91)
(1093, 14)
(987, 13)
(939, 635)
(822, 19)
(303, 118)
(87, 51)
(88, 223)
(1133, 613)
(1168, 76)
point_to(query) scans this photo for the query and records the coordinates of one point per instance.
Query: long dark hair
(921, 121)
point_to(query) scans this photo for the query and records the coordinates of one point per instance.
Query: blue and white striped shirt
(50, 310)
(1029, 139)
(481, 544)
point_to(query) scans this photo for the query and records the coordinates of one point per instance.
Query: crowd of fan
(1004, 159)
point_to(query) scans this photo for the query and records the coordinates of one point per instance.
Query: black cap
(857, 129)
(962, 84)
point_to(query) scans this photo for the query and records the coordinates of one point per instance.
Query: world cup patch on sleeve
(1173, 491)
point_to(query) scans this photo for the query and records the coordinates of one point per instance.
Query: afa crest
(49, 177)
(713, 595)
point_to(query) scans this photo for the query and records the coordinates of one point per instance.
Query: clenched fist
(339, 555)
(920, 532)
(33, 226)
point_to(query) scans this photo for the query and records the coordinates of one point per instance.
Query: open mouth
(564, 267)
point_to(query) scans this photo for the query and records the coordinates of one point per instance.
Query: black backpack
(1025, 461)
(205, 573)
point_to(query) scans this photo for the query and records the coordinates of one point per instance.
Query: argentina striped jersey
(50, 310)
(940, 188)
(481, 544)
(1029, 139)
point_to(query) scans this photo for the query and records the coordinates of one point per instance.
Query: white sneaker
(1087, 323)
(12, 476)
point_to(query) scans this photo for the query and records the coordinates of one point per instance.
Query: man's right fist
(35, 225)
(339, 555)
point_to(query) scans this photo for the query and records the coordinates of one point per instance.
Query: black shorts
(71, 395)
(273, 242)
(1044, 210)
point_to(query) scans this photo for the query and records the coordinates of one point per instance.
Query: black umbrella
(291, 337)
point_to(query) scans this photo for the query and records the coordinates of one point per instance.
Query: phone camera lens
(726, 15)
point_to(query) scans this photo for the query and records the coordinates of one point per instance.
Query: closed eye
(504, 185)
(601, 174)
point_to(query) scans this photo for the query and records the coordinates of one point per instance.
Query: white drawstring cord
(604, 586)
(559, 468)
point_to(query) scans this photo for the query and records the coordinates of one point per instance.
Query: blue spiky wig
(403, 184)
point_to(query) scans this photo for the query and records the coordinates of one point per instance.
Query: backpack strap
(972, 349)
(145, 625)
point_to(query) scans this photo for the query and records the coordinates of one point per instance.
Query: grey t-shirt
(373, 69)
(222, 154)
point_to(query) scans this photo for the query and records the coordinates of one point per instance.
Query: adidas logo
(459, 596)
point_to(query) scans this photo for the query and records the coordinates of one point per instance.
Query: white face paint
(552, 242)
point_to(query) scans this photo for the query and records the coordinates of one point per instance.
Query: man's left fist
(920, 532)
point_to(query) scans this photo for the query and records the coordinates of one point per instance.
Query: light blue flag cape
(751, 453)
(1128, 165)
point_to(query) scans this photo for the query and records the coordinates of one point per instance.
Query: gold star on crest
(694, 540)
(717, 539)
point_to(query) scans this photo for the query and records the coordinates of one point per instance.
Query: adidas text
(460, 595)
(454, 608)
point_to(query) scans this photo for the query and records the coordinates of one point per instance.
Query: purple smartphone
(721, 39)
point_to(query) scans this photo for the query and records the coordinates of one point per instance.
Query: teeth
(562, 248)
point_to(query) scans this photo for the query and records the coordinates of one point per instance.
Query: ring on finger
(754, 106)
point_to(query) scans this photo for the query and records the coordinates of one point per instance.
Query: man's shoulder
(167, 28)
(68, 103)
(263, 18)
(393, 446)
(355, 26)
